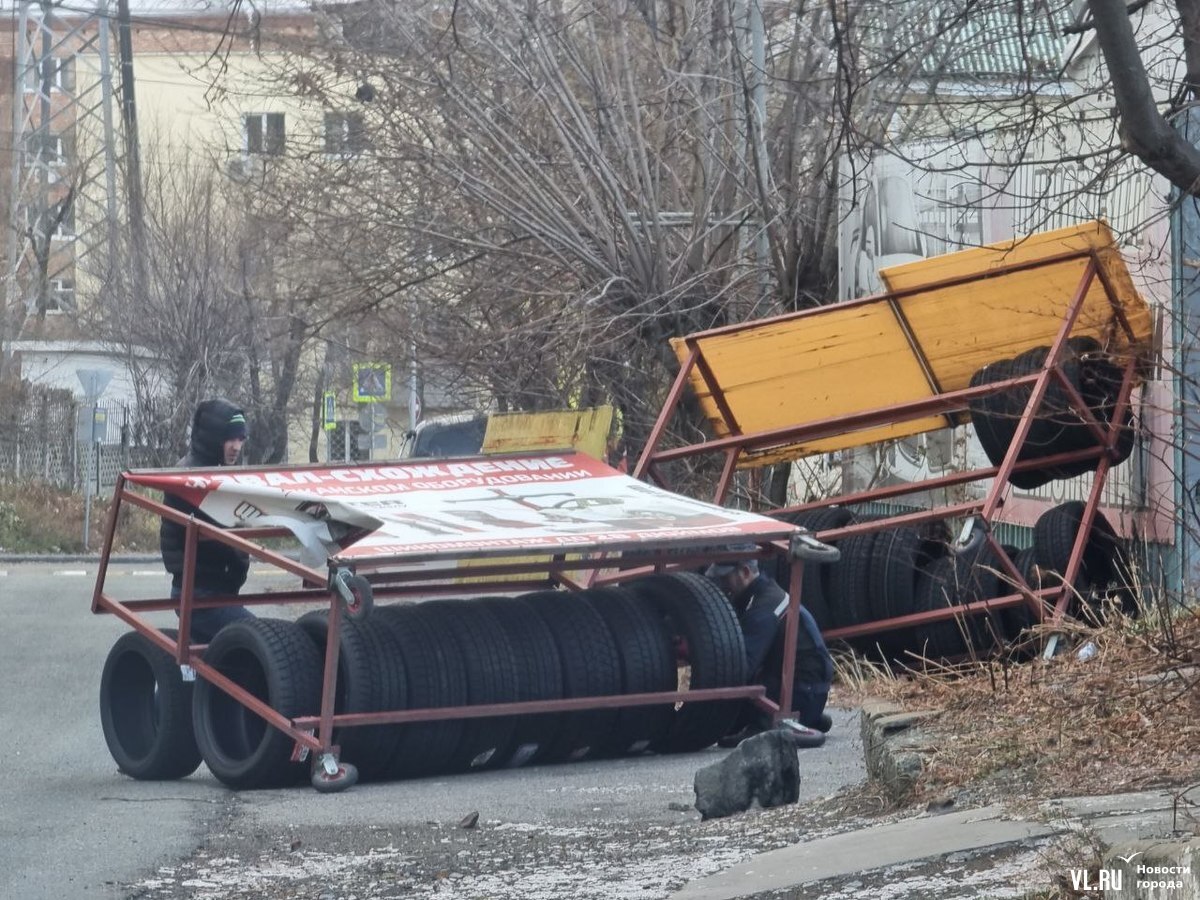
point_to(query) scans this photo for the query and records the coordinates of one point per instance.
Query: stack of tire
(898, 571)
(877, 577)
(1057, 428)
(444, 653)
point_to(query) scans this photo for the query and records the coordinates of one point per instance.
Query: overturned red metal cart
(370, 534)
(1040, 342)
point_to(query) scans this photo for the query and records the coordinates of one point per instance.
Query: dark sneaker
(825, 724)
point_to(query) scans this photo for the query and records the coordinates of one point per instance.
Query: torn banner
(498, 506)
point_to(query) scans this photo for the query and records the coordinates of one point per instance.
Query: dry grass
(1126, 719)
(36, 517)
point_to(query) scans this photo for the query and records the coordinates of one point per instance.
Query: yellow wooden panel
(1007, 313)
(855, 357)
(814, 368)
(586, 430)
(1003, 317)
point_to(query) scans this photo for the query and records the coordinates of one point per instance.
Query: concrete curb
(894, 746)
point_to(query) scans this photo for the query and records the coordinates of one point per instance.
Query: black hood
(214, 422)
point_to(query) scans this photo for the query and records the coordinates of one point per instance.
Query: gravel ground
(498, 860)
(599, 860)
(609, 830)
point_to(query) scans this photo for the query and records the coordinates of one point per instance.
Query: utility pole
(110, 161)
(133, 164)
(756, 135)
(41, 231)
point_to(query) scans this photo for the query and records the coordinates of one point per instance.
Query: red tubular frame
(946, 403)
(315, 733)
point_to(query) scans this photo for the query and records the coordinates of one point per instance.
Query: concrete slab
(912, 840)
(1109, 804)
(1125, 817)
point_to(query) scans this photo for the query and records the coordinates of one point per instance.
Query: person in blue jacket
(761, 607)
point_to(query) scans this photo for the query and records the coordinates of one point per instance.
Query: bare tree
(213, 317)
(554, 189)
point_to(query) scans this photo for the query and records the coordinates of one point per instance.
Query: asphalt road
(72, 826)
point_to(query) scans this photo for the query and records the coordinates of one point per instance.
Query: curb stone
(894, 746)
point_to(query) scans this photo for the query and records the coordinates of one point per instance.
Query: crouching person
(761, 607)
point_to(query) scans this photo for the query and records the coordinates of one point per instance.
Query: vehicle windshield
(448, 438)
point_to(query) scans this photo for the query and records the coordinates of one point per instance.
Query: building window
(59, 217)
(53, 149)
(264, 133)
(60, 73)
(61, 295)
(344, 134)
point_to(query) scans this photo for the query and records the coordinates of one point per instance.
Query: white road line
(69, 572)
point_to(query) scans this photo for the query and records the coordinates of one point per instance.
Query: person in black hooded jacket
(218, 433)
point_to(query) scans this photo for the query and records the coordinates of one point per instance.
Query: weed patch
(36, 517)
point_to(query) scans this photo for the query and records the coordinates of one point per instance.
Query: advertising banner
(499, 506)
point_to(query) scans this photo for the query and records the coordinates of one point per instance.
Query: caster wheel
(346, 776)
(358, 600)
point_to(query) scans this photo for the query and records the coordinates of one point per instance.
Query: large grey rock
(764, 769)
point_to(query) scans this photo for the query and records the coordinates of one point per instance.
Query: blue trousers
(207, 622)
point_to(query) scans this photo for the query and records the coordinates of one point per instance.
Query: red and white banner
(498, 506)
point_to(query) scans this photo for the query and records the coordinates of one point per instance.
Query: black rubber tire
(1100, 385)
(435, 677)
(591, 667)
(539, 676)
(895, 566)
(146, 711)
(279, 664)
(491, 678)
(1017, 619)
(1045, 433)
(937, 589)
(989, 414)
(815, 585)
(366, 677)
(977, 578)
(996, 417)
(848, 597)
(892, 579)
(693, 608)
(1054, 536)
(1057, 424)
(647, 665)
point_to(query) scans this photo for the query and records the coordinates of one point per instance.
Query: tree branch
(1144, 131)
(1089, 24)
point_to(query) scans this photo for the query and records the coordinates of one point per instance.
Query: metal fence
(53, 437)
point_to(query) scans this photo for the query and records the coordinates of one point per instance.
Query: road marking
(157, 573)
